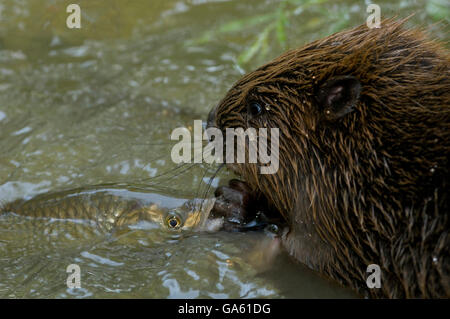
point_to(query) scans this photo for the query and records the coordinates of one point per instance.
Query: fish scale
(103, 209)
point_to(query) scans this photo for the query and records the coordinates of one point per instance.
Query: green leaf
(438, 9)
(204, 38)
(240, 24)
(281, 29)
(233, 26)
(250, 52)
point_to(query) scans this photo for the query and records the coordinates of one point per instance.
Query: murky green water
(97, 105)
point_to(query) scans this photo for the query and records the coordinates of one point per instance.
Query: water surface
(97, 105)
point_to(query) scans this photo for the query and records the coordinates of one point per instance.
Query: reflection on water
(97, 105)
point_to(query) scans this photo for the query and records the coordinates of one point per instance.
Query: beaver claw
(241, 208)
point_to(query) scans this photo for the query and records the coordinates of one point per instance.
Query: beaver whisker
(208, 187)
(167, 172)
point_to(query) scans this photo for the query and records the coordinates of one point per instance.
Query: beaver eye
(254, 108)
(173, 222)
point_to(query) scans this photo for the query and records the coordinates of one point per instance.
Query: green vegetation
(272, 24)
(438, 10)
(323, 17)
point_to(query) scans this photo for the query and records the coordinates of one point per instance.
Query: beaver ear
(339, 95)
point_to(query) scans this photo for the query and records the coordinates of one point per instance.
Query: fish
(109, 209)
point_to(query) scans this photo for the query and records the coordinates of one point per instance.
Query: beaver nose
(212, 118)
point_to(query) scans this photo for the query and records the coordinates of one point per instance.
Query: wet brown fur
(370, 187)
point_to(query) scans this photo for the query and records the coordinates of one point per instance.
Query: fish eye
(173, 221)
(255, 108)
(272, 228)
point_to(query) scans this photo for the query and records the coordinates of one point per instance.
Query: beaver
(364, 126)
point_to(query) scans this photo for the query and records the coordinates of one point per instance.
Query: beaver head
(364, 124)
